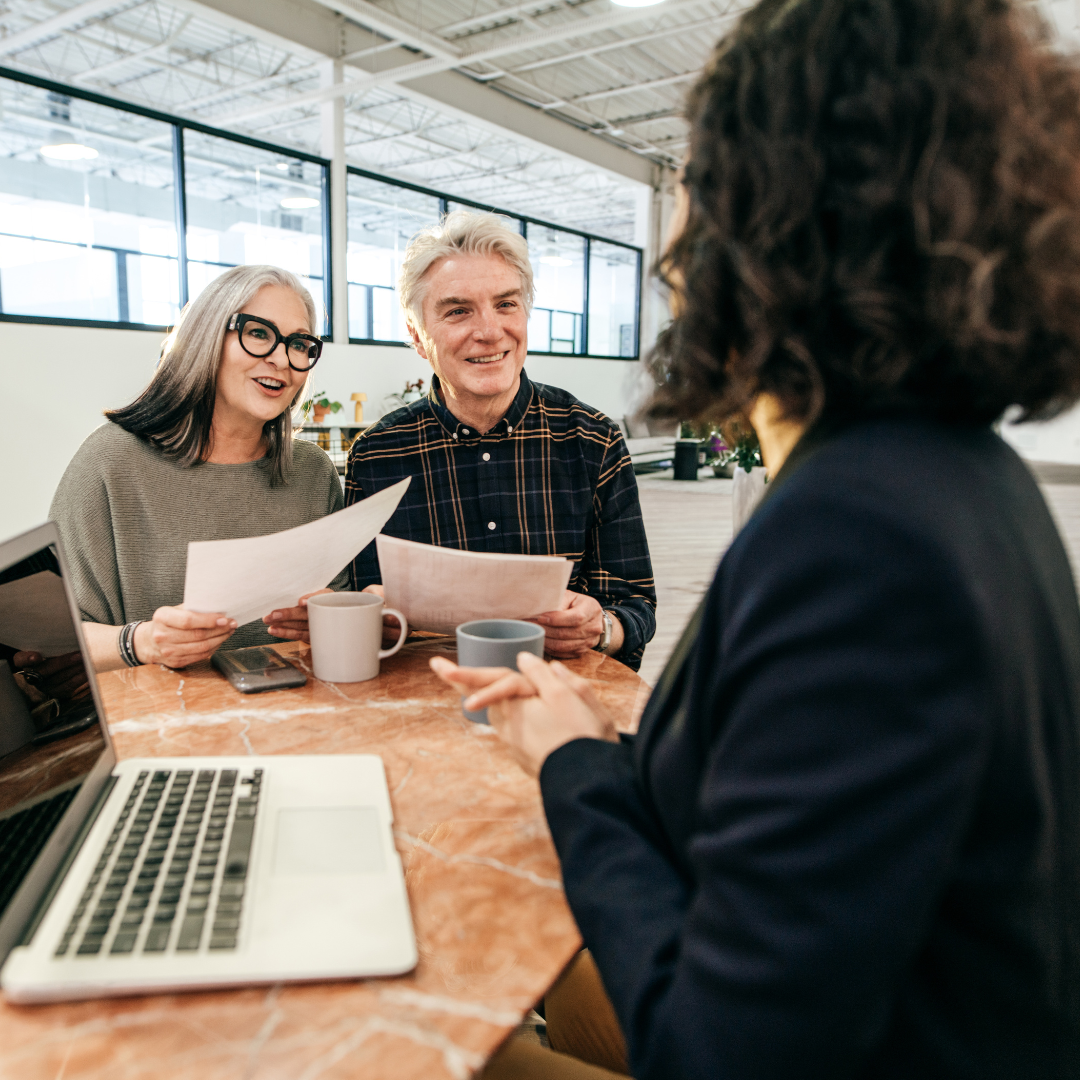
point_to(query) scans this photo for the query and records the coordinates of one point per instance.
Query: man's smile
(485, 359)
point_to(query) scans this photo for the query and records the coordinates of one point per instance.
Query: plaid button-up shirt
(553, 477)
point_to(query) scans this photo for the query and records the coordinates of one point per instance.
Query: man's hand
(292, 623)
(391, 628)
(176, 638)
(576, 627)
(535, 710)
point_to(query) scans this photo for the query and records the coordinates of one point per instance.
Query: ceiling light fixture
(68, 151)
(301, 202)
(556, 260)
(636, 3)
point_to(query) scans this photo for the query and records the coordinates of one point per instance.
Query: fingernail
(223, 622)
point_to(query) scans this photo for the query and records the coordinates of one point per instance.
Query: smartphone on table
(260, 668)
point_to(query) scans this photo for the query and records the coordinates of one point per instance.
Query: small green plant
(747, 453)
(319, 402)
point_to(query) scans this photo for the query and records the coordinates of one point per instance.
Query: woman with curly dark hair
(846, 839)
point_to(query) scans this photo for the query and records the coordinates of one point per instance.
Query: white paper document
(249, 578)
(34, 615)
(439, 588)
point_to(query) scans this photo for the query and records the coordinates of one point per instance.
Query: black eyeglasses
(260, 337)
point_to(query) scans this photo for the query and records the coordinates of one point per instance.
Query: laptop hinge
(61, 871)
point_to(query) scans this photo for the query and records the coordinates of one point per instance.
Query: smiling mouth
(484, 359)
(270, 384)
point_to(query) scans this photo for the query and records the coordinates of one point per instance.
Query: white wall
(1056, 440)
(59, 379)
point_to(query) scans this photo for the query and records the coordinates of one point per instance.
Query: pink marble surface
(492, 925)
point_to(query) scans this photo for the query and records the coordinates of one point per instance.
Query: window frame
(180, 125)
(525, 220)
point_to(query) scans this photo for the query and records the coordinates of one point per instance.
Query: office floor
(689, 529)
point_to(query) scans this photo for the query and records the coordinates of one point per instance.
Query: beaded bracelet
(125, 644)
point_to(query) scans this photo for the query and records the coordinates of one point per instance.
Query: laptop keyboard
(172, 875)
(23, 835)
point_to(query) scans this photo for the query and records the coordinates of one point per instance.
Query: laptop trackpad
(328, 840)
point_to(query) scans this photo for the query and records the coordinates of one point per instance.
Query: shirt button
(487, 457)
(491, 524)
(509, 430)
(455, 434)
(464, 431)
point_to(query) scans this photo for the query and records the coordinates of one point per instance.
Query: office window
(87, 210)
(246, 205)
(558, 315)
(382, 219)
(613, 300)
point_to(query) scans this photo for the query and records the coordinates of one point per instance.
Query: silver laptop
(161, 874)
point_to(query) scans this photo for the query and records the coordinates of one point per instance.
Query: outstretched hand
(535, 710)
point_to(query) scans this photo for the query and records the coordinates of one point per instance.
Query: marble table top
(492, 926)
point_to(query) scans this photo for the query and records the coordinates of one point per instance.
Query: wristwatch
(605, 637)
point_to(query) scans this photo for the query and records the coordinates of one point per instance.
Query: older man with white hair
(500, 463)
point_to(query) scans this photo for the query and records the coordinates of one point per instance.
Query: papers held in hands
(249, 578)
(439, 588)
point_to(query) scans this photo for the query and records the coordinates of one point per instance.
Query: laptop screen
(50, 737)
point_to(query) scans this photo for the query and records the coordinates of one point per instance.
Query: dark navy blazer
(846, 841)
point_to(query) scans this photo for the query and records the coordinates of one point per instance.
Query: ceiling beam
(630, 88)
(140, 54)
(446, 91)
(435, 64)
(58, 23)
(623, 43)
(376, 18)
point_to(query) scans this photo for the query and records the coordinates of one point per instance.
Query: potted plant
(750, 478)
(319, 405)
(414, 390)
(721, 457)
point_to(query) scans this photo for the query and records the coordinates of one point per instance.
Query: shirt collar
(506, 426)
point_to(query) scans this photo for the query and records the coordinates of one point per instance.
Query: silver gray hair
(176, 410)
(461, 232)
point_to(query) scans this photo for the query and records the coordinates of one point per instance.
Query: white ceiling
(560, 109)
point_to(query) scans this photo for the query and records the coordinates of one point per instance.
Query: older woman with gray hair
(206, 452)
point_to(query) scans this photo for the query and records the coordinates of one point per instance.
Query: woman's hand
(292, 623)
(535, 710)
(176, 638)
(60, 677)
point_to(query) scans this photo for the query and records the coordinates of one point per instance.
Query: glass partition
(90, 219)
(247, 205)
(87, 210)
(558, 315)
(382, 219)
(613, 300)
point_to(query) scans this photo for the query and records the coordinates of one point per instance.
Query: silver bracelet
(125, 644)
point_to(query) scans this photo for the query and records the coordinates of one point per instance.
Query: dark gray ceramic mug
(495, 643)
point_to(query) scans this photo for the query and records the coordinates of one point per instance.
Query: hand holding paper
(439, 588)
(252, 577)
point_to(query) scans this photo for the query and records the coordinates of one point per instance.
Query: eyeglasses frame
(238, 321)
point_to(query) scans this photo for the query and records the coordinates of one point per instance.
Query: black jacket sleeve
(832, 717)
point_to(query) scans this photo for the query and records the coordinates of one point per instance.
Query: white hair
(461, 232)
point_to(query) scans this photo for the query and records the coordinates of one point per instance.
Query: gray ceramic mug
(495, 643)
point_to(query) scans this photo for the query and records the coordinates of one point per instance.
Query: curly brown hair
(883, 213)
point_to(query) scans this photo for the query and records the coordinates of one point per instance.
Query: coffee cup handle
(384, 653)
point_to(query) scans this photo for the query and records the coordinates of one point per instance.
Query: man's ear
(418, 341)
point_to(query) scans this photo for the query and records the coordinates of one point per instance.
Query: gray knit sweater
(126, 513)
